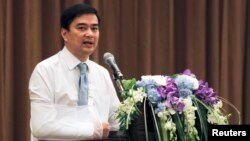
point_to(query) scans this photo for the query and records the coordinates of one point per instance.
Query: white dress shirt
(54, 88)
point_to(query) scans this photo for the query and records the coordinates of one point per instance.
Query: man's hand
(105, 129)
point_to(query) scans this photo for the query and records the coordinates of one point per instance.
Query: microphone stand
(118, 77)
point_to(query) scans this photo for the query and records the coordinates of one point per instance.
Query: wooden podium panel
(113, 136)
(116, 136)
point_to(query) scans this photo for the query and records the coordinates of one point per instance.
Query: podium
(113, 136)
(116, 136)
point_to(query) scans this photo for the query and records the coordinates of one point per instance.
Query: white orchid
(160, 80)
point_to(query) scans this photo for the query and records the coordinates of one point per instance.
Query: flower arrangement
(183, 106)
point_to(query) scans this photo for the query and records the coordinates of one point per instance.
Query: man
(59, 110)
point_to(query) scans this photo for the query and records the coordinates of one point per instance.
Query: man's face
(82, 37)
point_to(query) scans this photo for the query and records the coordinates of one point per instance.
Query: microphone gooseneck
(117, 75)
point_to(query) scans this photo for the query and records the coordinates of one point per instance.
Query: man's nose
(89, 33)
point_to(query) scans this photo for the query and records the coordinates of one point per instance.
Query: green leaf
(179, 127)
(202, 116)
(128, 84)
(156, 124)
(174, 76)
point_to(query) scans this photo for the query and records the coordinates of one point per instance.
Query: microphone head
(108, 57)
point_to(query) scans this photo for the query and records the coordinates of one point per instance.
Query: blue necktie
(83, 84)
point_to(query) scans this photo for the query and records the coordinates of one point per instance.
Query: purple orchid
(189, 73)
(170, 95)
(206, 94)
(170, 88)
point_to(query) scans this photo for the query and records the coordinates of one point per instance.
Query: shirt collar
(70, 60)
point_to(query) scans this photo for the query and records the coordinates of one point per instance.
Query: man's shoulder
(98, 67)
(49, 62)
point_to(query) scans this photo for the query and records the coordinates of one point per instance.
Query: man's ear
(64, 33)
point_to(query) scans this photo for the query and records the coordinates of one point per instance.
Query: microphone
(110, 60)
(117, 75)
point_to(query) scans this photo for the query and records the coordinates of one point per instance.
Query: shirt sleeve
(115, 102)
(51, 121)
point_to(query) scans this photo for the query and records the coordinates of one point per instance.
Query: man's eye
(94, 28)
(81, 28)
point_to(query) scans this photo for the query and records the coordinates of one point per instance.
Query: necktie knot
(83, 68)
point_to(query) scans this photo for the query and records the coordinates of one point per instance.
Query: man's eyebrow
(84, 24)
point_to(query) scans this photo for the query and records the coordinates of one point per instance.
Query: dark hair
(72, 12)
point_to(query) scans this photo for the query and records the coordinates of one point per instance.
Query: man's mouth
(88, 42)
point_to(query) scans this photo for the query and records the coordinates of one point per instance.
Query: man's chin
(89, 51)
